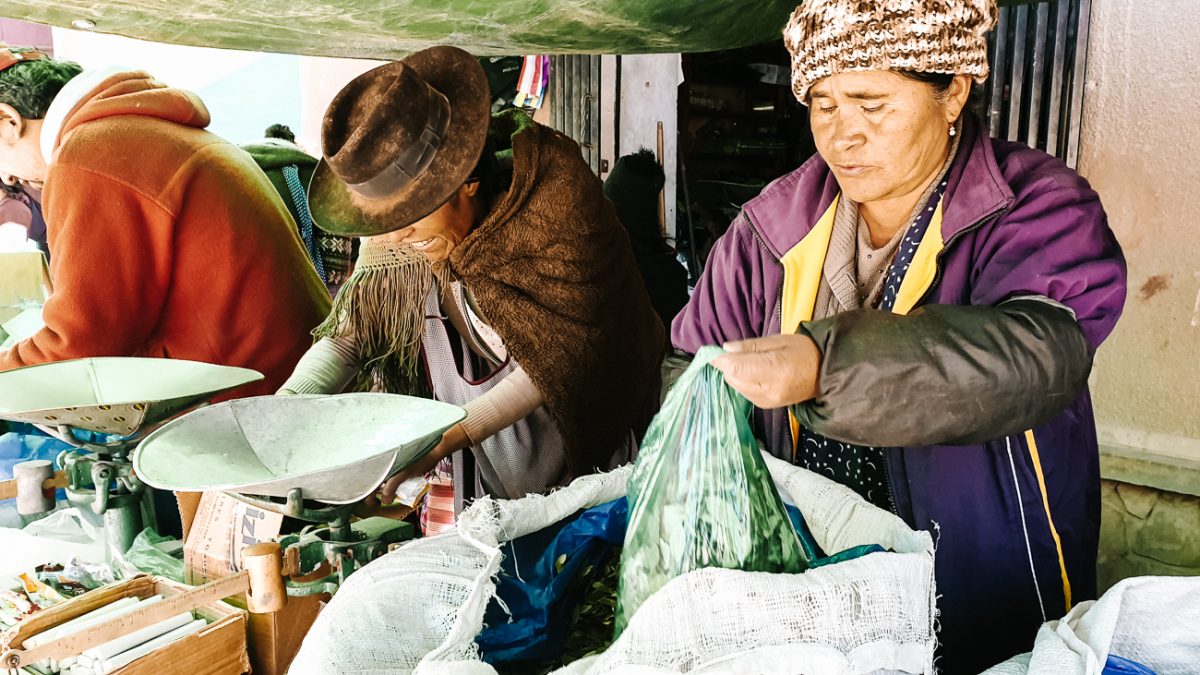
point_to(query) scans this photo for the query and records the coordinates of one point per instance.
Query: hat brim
(458, 76)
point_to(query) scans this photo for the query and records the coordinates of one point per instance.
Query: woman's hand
(453, 440)
(774, 371)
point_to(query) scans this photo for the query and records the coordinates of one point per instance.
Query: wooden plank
(1037, 81)
(1054, 120)
(8, 488)
(1015, 103)
(1077, 83)
(999, 74)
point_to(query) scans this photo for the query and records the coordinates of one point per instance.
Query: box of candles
(141, 626)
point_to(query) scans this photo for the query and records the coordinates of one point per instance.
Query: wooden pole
(662, 194)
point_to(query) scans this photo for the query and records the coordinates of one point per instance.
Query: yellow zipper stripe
(803, 267)
(802, 270)
(1041, 479)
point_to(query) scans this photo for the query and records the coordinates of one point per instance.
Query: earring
(953, 132)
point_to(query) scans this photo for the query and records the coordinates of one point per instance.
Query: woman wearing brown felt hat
(496, 277)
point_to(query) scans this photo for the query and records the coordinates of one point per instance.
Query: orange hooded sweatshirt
(168, 241)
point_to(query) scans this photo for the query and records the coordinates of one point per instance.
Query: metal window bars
(574, 100)
(1038, 54)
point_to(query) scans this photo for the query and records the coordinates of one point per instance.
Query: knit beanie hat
(826, 37)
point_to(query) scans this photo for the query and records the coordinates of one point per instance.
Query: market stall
(704, 553)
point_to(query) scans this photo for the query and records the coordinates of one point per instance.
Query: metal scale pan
(312, 458)
(113, 395)
(333, 449)
(119, 398)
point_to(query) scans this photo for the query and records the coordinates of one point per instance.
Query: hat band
(412, 161)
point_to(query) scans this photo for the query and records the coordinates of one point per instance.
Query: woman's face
(883, 135)
(436, 235)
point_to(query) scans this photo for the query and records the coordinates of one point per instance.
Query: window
(1035, 93)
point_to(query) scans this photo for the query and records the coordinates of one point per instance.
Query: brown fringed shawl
(382, 306)
(554, 275)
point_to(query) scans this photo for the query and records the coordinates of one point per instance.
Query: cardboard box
(219, 649)
(189, 504)
(217, 533)
(275, 637)
(24, 281)
(221, 528)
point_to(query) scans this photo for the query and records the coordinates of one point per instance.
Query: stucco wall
(649, 95)
(1140, 148)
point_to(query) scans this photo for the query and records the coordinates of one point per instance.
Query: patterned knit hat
(934, 36)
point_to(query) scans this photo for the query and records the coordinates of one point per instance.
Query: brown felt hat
(398, 141)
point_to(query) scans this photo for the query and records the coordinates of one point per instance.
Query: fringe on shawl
(382, 306)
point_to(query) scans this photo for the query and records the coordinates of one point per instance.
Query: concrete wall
(1140, 148)
(649, 95)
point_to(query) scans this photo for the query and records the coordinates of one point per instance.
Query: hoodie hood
(96, 95)
(274, 153)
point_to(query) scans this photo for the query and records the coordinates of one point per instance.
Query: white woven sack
(419, 608)
(1154, 621)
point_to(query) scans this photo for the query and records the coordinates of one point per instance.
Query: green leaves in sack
(700, 494)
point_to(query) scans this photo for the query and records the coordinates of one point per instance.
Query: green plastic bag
(700, 494)
(147, 558)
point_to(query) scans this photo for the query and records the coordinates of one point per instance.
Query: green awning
(387, 29)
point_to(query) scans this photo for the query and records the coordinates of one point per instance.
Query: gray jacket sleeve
(945, 375)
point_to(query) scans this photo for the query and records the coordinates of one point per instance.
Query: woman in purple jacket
(914, 312)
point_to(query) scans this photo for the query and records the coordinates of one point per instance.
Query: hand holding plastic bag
(700, 494)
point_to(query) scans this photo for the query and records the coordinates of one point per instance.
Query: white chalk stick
(132, 655)
(138, 637)
(65, 627)
(61, 631)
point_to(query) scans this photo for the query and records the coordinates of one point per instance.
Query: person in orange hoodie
(168, 241)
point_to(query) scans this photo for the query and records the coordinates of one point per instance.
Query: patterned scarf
(864, 468)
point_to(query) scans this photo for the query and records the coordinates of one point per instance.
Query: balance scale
(118, 400)
(312, 458)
